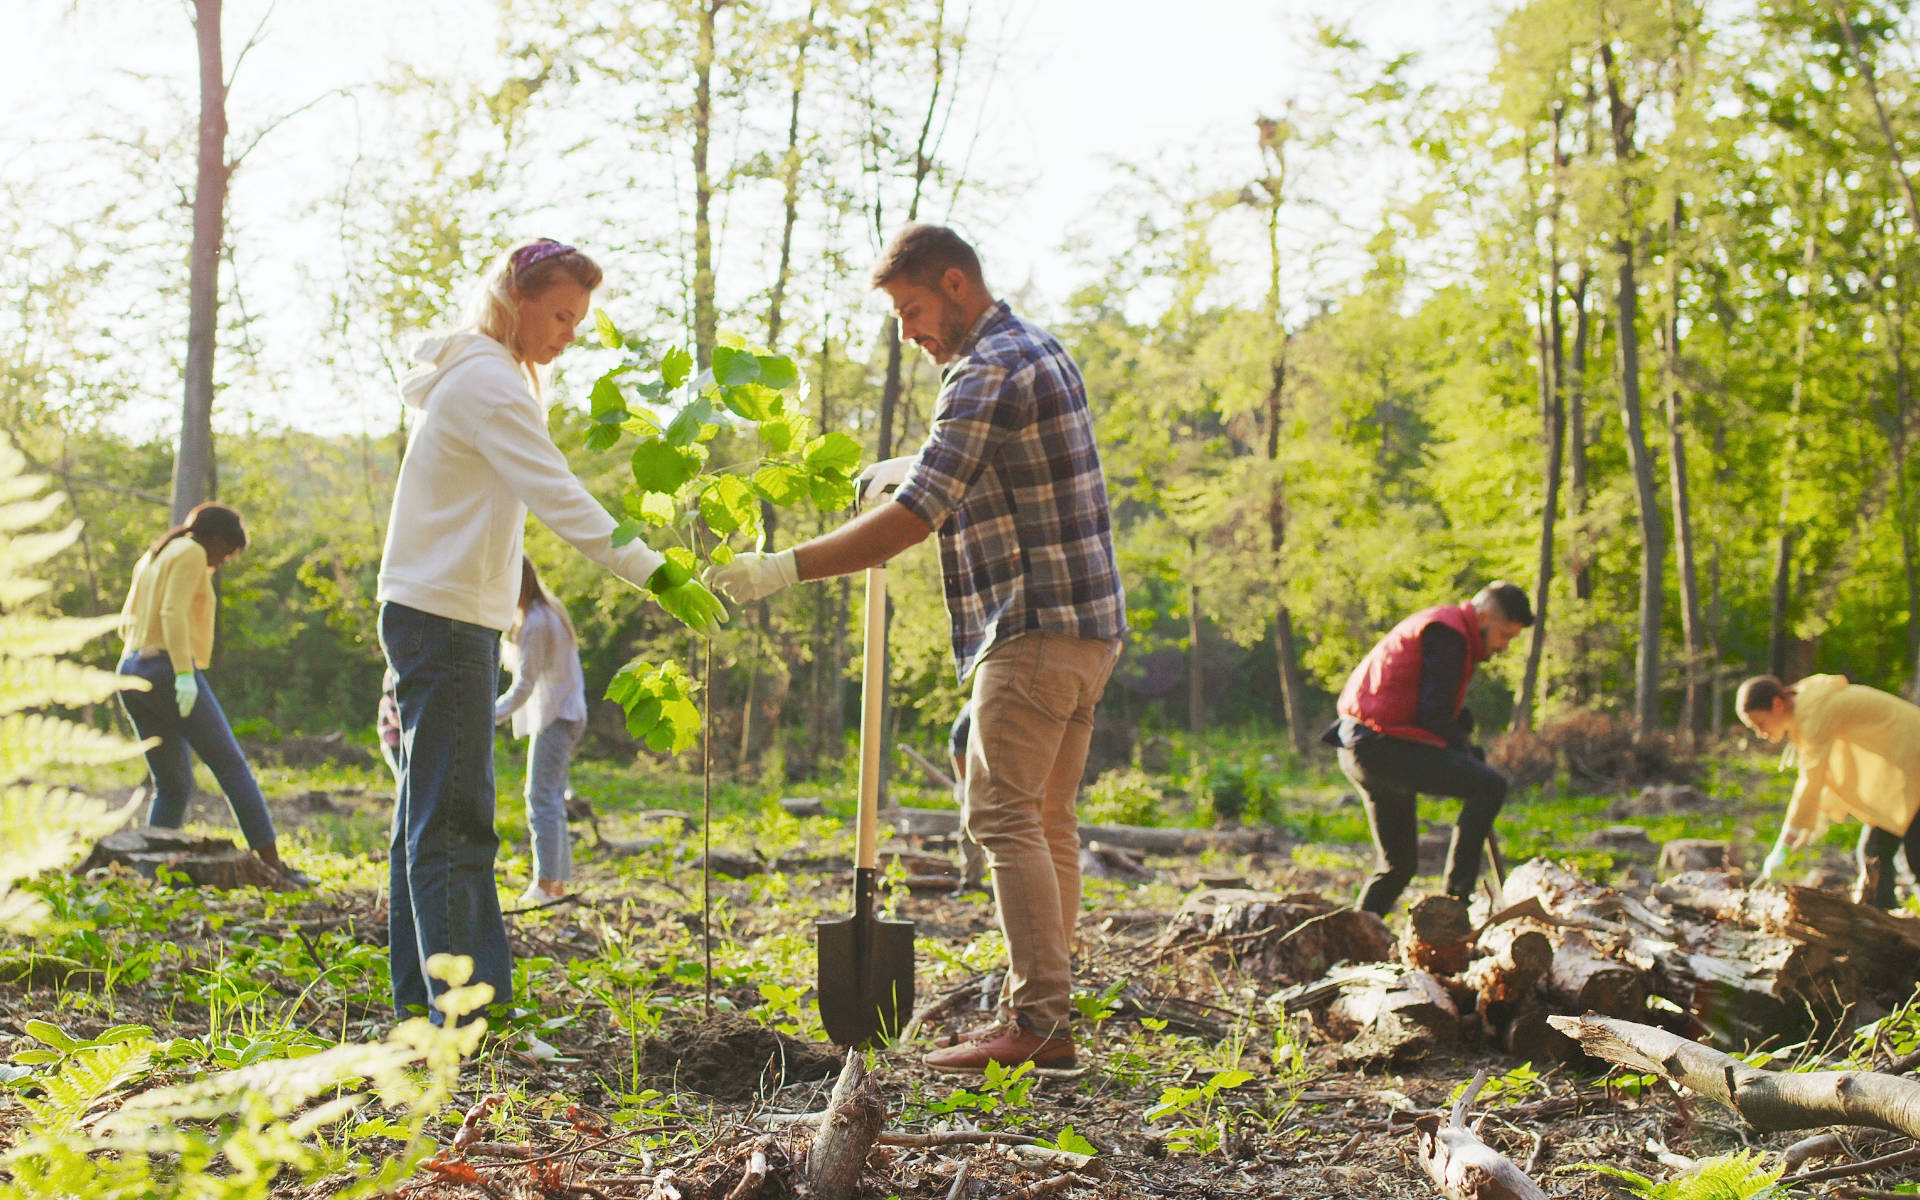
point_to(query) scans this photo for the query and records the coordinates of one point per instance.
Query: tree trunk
(1894, 160)
(1552, 432)
(1653, 534)
(1693, 713)
(706, 317)
(1196, 667)
(193, 479)
(750, 735)
(1779, 610)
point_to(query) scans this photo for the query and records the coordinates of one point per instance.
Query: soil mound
(731, 1057)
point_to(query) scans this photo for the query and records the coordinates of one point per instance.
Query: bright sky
(1081, 86)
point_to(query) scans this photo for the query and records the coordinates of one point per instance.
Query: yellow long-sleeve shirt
(170, 605)
(1858, 750)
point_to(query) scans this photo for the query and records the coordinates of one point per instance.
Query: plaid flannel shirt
(1010, 476)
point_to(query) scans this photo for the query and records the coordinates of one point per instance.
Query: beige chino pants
(1033, 701)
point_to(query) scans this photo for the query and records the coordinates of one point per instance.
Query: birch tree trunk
(193, 463)
(1693, 711)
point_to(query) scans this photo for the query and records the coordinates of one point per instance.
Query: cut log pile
(1700, 954)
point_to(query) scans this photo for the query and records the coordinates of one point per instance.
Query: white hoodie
(479, 458)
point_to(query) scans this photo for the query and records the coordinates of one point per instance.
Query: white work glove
(1776, 859)
(880, 477)
(185, 691)
(752, 576)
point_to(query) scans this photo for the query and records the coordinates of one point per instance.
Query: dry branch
(1462, 1166)
(853, 1120)
(1769, 1101)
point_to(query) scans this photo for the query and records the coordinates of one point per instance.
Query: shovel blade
(865, 979)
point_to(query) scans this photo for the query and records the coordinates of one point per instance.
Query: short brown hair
(1759, 693)
(921, 253)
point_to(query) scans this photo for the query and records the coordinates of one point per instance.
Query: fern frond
(42, 828)
(25, 636)
(31, 742)
(26, 513)
(280, 1087)
(24, 550)
(31, 682)
(91, 1074)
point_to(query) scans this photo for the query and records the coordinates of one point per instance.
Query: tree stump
(1276, 938)
(209, 862)
(1582, 978)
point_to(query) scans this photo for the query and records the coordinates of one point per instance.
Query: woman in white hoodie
(479, 458)
(547, 705)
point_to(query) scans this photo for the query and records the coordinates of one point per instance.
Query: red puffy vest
(1383, 692)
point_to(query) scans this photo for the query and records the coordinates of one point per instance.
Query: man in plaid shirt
(1010, 477)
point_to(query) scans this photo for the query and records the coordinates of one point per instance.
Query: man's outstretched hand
(753, 576)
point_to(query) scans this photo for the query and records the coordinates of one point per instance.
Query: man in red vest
(1403, 731)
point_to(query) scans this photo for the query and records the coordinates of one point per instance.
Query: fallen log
(1516, 958)
(1583, 978)
(1388, 1014)
(852, 1122)
(1462, 1166)
(1439, 935)
(209, 862)
(1768, 1101)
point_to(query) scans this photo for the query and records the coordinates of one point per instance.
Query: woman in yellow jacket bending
(1858, 750)
(168, 627)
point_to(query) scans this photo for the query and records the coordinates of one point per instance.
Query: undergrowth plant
(1739, 1176)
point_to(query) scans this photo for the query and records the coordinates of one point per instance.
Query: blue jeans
(444, 900)
(155, 714)
(549, 754)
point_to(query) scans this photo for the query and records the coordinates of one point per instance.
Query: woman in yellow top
(1858, 750)
(168, 627)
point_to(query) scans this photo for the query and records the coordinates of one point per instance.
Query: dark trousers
(203, 731)
(444, 900)
(1875, 858)
(1390, 773)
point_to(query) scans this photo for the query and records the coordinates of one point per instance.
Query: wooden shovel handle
(872, 680)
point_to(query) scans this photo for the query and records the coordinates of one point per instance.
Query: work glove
(880, 477)
(753, 576)
(185, 691)
(1775, 860)
(677, 591)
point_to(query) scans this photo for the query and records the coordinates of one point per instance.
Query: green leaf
(653, 508)
(679, 567)
(679, 728)
(732, 367)
(625, 532)
(730, 505)
(833, 451)
(609, 406)
(778, 371)
(602, 437)
(780, 484)
(675, 366)
(608, 332)
(686, 426)
(49, 1034)
(753, 401)
(831, 489)
(659, 705)
(641, 425)
(722, 555)
(659, 466)
(1071, 1141)
(776, 433)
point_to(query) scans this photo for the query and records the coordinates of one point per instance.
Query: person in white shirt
(548, 704)
(478, 460)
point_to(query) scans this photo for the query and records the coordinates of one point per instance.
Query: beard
(951, 332)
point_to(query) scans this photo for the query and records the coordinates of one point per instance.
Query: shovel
(866, 963)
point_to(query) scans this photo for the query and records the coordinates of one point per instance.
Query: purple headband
(538, 252)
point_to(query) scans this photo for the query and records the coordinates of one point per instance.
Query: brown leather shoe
(1007, 1044)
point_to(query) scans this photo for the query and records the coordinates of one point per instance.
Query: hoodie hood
(440, 354)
